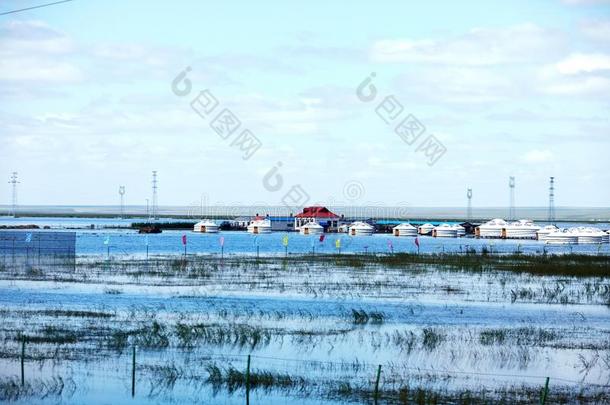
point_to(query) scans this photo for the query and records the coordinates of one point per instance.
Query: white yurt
(425, 229)
(561, 237)
(404, 229)
(206, 226)
(444, 231)
(588, 235)
(491, 229)
(461, 231)
(311, 228)
(360, 228)
(545, 231)
(260, 226)
(522, 229)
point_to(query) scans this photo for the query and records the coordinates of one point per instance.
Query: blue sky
(509, 88)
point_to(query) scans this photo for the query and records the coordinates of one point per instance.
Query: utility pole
(511, 210)
(155, 214)
(14, 183)
(552, 200)
(469, 209)
(122, 194)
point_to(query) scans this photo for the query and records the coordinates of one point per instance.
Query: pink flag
(417, 241)
(322, 238)
(222, 241)
(184, 240)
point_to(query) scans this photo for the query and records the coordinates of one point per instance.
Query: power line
(34, 7)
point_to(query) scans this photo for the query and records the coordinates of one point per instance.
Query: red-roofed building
(322, 215)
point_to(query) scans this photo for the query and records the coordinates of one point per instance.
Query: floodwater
(326, 327)
(121, 242)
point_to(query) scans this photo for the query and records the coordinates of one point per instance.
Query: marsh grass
(304, 329)
(528, 336)
(361, 390)
(50, 334)
(165, 375)
(577, 265)
(204, 267)
(11, 389)
(153, 336)
(238, 335)
(233, 378)
(432, 338)
(361, 317)
(57, 313)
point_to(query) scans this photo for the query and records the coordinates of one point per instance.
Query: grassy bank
(577, 265)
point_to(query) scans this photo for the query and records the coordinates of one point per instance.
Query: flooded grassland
(444, 328)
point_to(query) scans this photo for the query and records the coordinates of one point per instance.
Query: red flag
(184, 240)
(417, 241)
(322, 238)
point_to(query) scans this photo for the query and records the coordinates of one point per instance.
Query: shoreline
(194, 220)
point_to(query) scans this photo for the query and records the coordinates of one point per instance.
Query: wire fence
(37, 251)
(252, 370)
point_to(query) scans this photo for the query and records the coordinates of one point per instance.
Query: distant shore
(416, 214)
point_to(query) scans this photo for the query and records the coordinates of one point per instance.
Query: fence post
(544, 392)
(23, 361)
(133, 372)
(377, 383)
(248, 382)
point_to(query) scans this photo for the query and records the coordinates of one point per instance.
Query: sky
(90, 99)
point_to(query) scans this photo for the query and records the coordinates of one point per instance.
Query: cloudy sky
(517, 88)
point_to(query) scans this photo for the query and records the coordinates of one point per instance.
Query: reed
(233, 378)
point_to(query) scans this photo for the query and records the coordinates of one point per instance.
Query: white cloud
(460, 85)
(33, 51)
(580, 86)
(538, 156)
(584, 63)
(479, 47)
(33, 37)
(597, 30)
(579, 74)
(29, 69)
